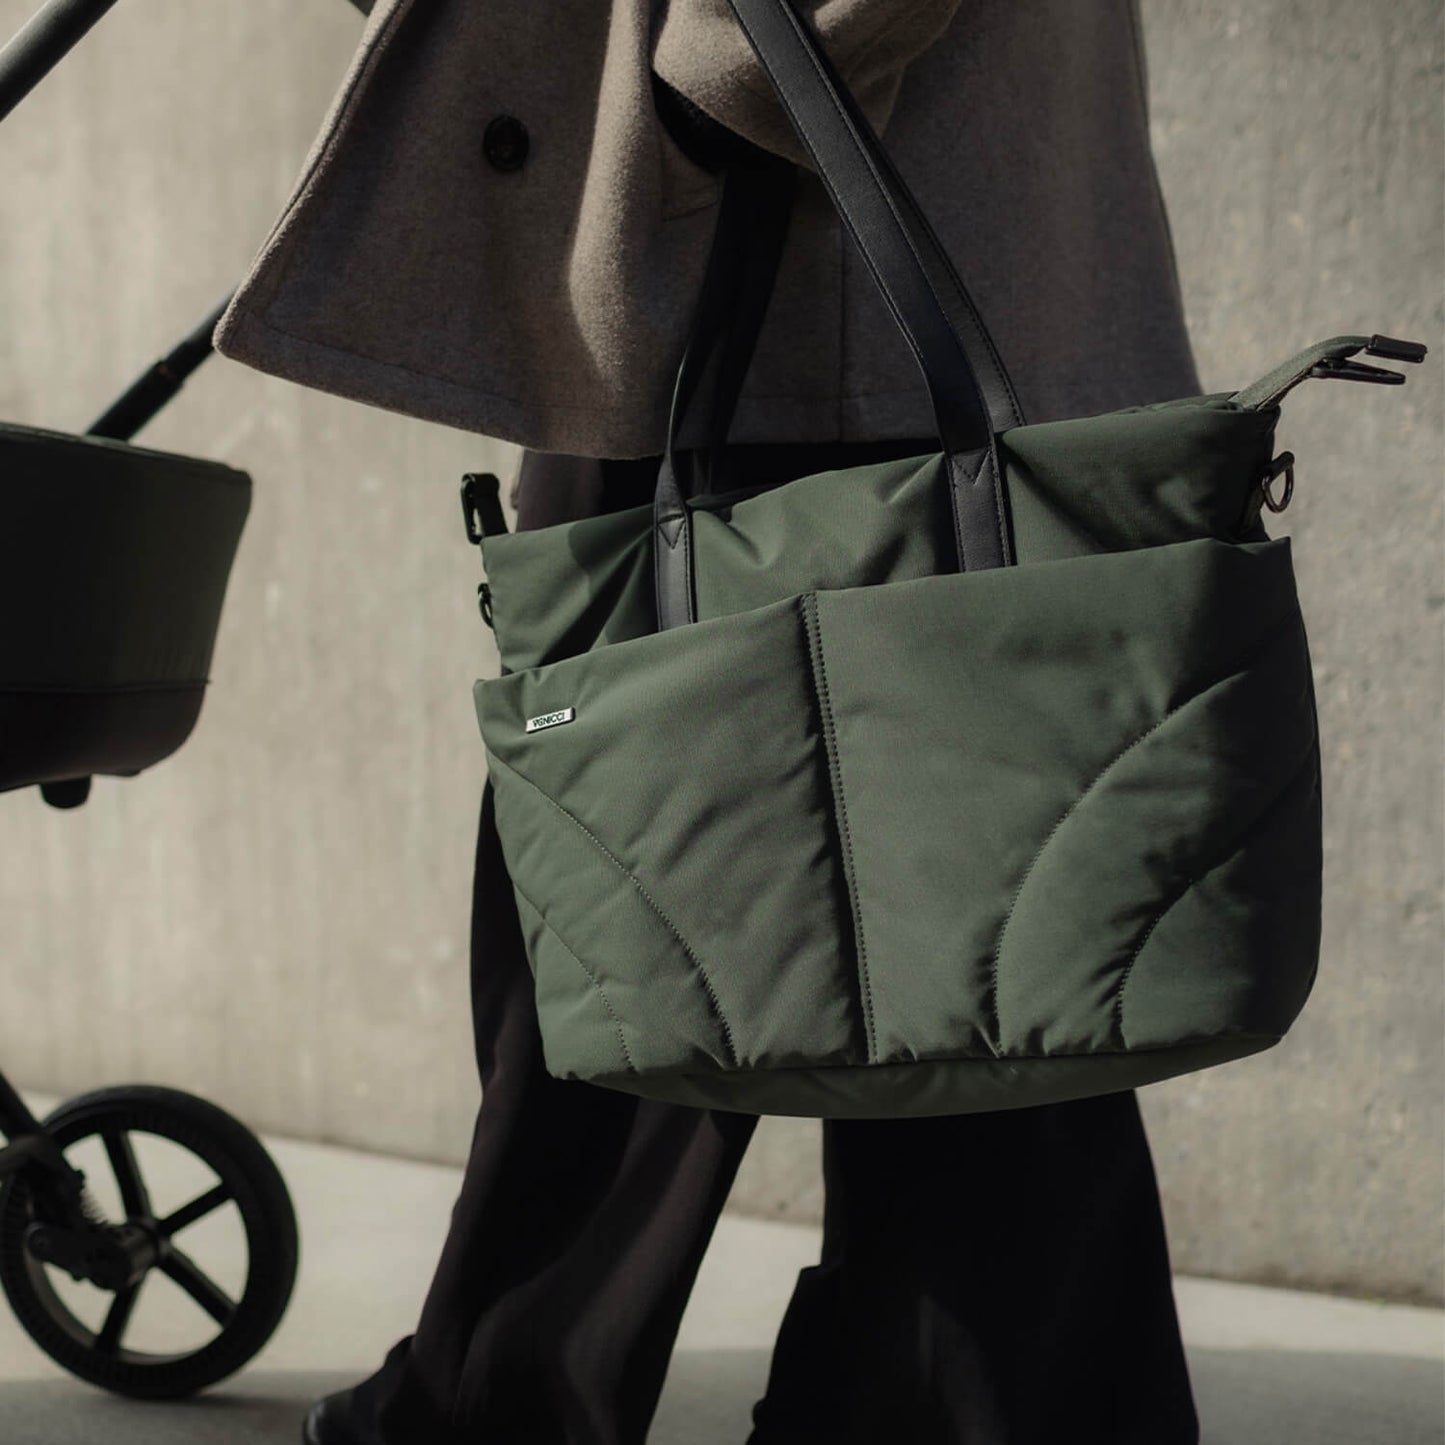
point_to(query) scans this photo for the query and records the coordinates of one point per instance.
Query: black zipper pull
(482, 506)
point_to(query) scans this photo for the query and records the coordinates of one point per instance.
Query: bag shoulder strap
(972, 396)
(973, 399)
(752, 224)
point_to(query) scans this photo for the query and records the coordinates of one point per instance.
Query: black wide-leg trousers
(991, 1279)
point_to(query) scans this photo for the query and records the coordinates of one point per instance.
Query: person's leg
(991, 1279)
(583, 1213)
(581, 1222)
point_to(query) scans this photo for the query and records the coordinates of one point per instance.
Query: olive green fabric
(876, 838)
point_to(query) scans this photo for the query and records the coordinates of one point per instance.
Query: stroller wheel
(218, 1234)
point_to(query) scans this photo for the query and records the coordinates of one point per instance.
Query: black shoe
(325, 1422)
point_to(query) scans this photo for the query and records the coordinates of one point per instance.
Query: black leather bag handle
(973, 399)
(972, 396)
(752, 224)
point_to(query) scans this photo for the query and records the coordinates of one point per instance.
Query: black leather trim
(672, 552)
(980, 519)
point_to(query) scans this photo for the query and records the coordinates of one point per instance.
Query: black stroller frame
(49, 1218)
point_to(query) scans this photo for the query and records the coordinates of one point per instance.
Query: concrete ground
(1271, 1367)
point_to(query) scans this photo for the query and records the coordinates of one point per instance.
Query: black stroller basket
(113, 567)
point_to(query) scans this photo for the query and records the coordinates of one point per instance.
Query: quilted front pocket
(1081, 801)
(667, 822)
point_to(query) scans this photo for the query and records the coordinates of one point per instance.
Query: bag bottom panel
(933, 1088)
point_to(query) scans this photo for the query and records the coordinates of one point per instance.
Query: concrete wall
(277, 916)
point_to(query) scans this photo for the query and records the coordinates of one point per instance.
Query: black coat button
(506, 143)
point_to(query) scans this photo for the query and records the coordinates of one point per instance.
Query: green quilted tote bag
(978, 780)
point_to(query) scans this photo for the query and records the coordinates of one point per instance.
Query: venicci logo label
(551, 720)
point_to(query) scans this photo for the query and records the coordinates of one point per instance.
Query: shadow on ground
(262, 1407)
(1280, 1397)
(1246, 1397)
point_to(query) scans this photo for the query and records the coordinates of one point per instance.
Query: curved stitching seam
(591, 977)
(697, 963)
(1265, 640)
(809, 606)
(1191, 883)
(1148, 933)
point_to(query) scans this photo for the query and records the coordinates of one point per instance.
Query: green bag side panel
(1145, 477)
(942, 1086)
(113, 561)
(693, 762)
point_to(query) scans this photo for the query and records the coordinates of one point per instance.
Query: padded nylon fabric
(876, 838)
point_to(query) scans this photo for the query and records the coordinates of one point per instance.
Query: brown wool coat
(548, 304)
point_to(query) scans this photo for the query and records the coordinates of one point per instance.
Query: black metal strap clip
(1393, 350)
(482, 506)
(1338, 369)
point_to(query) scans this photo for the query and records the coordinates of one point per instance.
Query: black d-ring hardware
(1281, 466)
